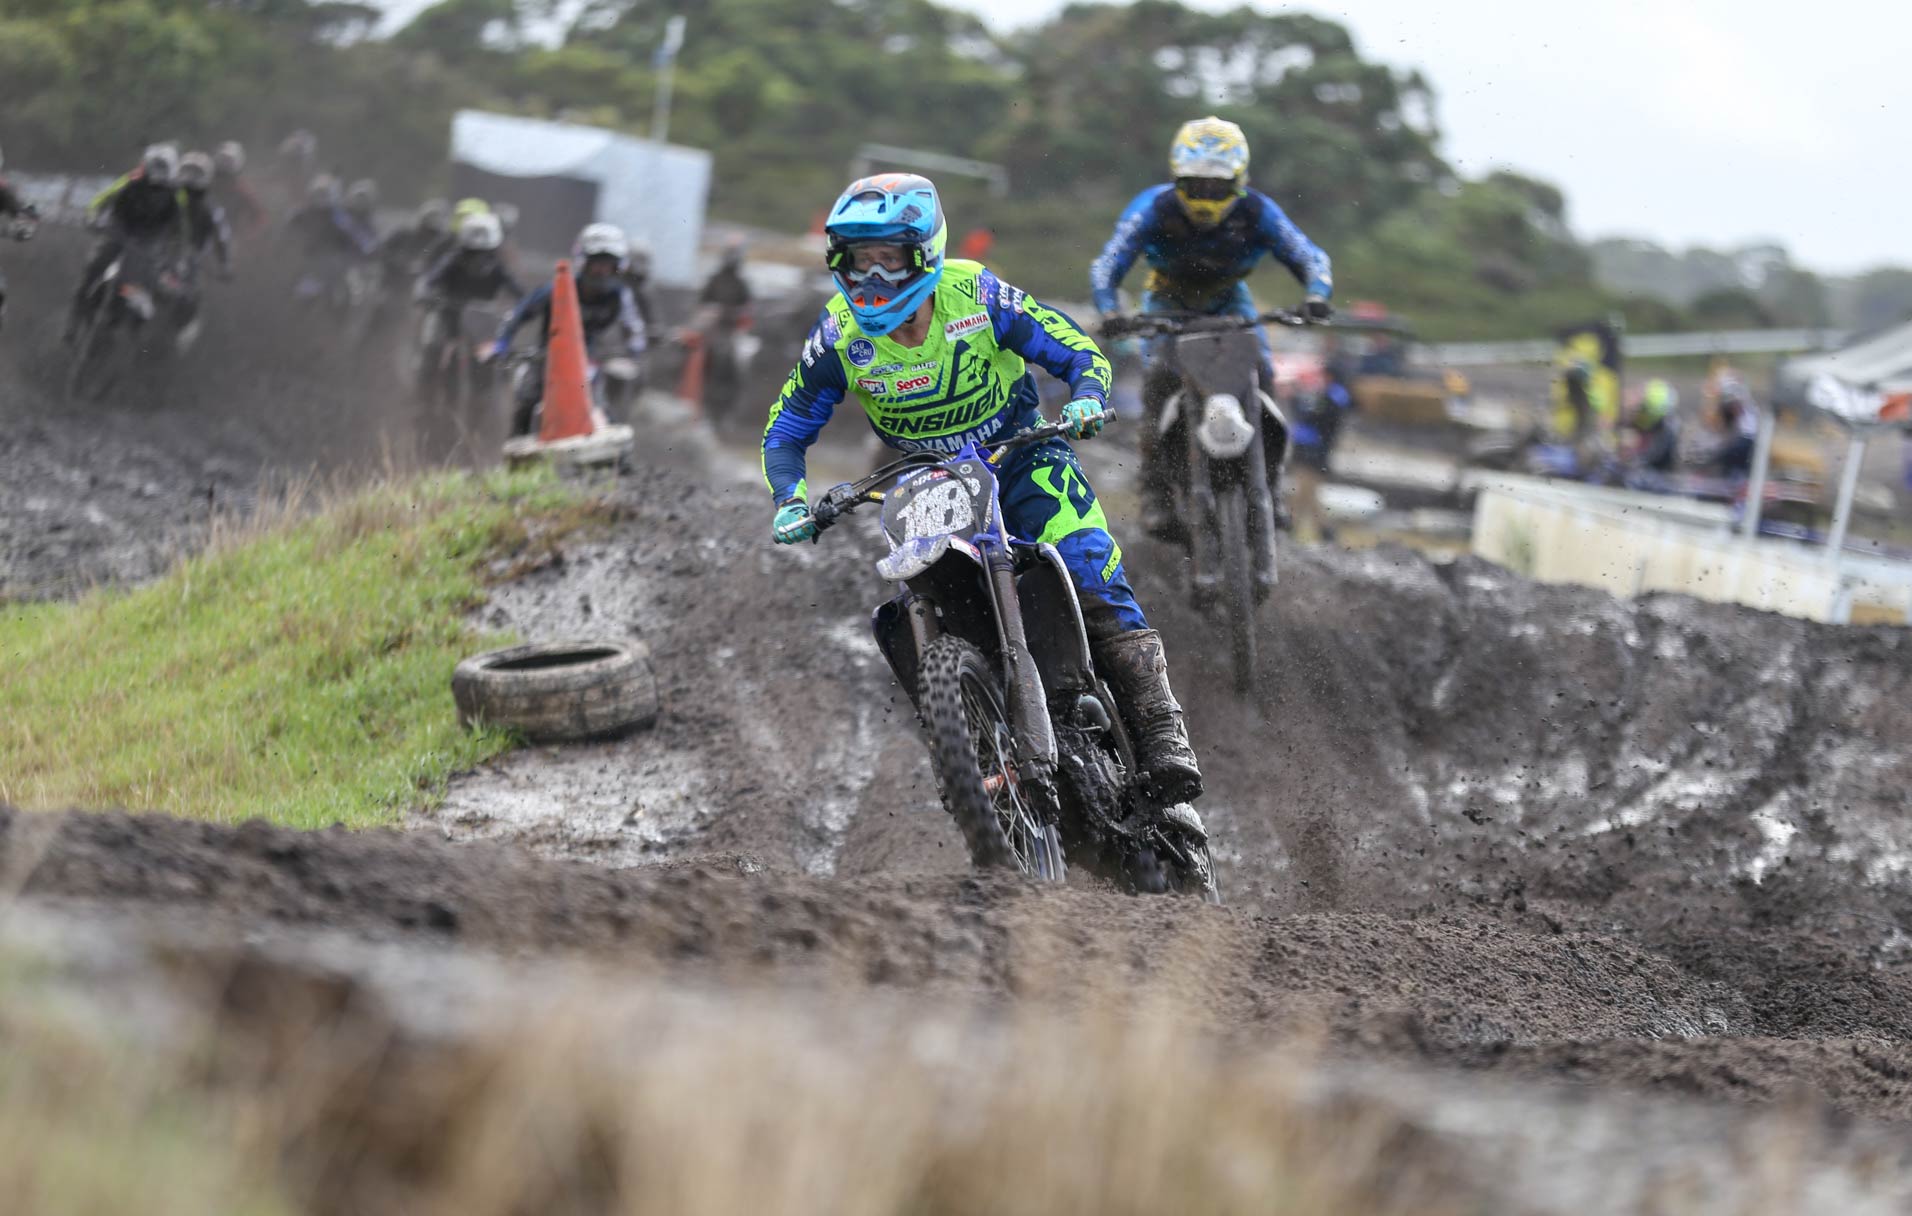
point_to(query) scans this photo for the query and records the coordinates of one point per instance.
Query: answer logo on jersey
(965, 325)
(868, 385)
(913, 383)
(862, 352)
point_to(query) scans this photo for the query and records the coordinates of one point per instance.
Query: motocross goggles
(1207, 189)
(875, 285)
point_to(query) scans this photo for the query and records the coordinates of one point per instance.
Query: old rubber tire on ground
(558, 691)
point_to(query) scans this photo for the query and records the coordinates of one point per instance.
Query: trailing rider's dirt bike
(134, 312)
(349, 289)
(1027, 741)
(449, 372)
(1220, 443)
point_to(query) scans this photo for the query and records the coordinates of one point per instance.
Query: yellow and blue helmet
(899, 209)
(1209, 162)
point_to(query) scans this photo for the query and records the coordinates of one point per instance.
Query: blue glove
(793, 523)
(1085, 417)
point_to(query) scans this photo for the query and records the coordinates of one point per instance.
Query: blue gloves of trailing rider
(793, 523)
(1085, 417)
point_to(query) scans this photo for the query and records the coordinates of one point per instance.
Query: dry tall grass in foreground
(305, 1096)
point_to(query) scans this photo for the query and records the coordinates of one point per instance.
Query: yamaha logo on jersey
(965, 325)
(862, 352)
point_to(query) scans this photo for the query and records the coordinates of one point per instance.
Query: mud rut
(1478, 823)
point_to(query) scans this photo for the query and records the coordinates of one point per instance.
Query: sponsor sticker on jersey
(1008, 298)
(965, 325)
(886, 369)
(862, 352)
(929, 365)
(832, 332)
(913, 383)
(870, 385)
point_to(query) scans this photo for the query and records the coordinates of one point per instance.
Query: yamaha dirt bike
(143, 286)
(986, 636)
(1222, 441)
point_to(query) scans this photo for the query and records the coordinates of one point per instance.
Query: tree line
(1079, 110)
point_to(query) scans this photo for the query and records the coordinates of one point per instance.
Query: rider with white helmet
(205, 219)
(600, 257)
(144, 205)
(18, 216)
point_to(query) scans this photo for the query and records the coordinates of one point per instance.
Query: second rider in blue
(1202, 234)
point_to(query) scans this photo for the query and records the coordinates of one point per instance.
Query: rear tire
(971, 746)
(1238, 583)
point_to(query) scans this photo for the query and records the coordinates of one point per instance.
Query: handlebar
(840, 500)
(1153, 324)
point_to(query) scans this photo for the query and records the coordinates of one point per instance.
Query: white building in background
(563, 176)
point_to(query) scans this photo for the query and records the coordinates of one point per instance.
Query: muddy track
(1478, 823)
(112, 492)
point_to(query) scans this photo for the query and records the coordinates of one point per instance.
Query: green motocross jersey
(968, 380)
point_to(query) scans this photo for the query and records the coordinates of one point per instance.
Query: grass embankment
(297, 670)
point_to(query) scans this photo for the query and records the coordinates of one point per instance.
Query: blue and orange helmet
(899, 209)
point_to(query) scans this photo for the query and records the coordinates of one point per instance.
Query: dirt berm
(1482, 822)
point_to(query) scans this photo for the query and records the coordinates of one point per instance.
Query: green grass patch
(296, 671)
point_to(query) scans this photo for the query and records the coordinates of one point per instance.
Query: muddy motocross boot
(1137, 673)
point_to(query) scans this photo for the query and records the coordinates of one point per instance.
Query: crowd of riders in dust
(1042, 689)
(179, 218)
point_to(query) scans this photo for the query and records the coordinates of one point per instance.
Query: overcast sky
(1686, 121)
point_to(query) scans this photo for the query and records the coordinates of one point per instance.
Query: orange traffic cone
(690, 385)
(567, 369)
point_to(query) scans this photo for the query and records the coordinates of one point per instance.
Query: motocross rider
(406, 251)
(19, 216)
(604, 304)
(328, 237)
(205, 226)
(205, 218)
(144, 205)
(936, 353)
(473, 273)
(637, 276)
(1202, 234)
(233, 194)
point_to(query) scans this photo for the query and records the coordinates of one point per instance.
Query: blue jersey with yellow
(1198, 267)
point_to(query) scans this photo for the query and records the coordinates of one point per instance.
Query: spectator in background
(1656, 447)
(1739, 420)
